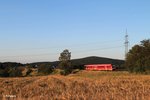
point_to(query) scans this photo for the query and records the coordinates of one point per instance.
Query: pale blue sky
(38, 30)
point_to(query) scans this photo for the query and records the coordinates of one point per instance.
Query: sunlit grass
(84, 85)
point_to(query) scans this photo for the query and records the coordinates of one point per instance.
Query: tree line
(138, 58)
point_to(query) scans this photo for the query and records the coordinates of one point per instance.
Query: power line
(68, 46)
(99, 49)
(49, 54)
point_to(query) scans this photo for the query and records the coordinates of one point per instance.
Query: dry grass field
(85, 85)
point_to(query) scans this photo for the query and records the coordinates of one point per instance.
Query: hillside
(96, 60)
(75, 62)
(87, 60)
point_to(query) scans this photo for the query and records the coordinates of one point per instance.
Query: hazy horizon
(36, 31)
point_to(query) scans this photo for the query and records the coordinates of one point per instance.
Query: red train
(99, 67)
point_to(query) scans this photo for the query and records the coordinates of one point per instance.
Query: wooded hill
(84, 61)
(74, 62)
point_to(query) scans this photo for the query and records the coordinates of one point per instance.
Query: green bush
(45, 69)
(65, 72)
(3, 73)
(15, 72)
(66, 67)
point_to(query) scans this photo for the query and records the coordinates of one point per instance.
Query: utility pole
(126, 44)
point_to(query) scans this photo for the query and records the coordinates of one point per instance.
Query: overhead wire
(81, 45)
(79, 51)
(62, 46)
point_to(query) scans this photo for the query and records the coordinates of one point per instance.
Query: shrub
(13, 72)
(45, 69)
(65, 72)
(3, 73)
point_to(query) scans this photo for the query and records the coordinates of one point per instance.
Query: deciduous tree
(65, 63)
(138, 58)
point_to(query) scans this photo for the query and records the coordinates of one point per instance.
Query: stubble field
(84, 85)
